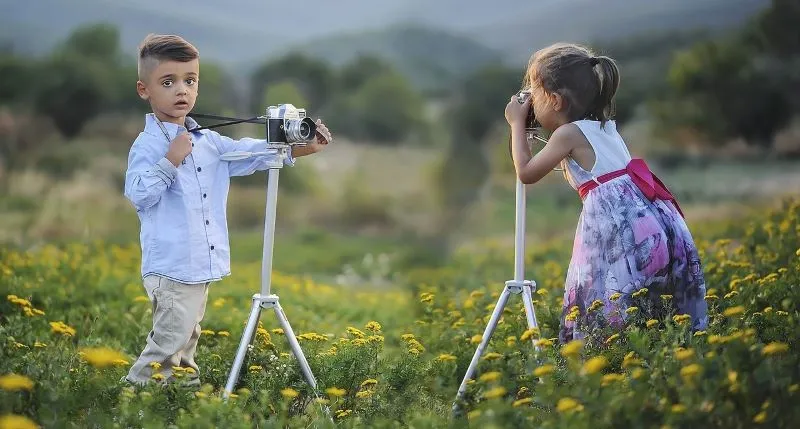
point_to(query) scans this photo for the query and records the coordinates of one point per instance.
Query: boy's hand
(323, 136)
(179, 149)
(322, 139)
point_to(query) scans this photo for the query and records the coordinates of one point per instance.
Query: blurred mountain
(428, 39)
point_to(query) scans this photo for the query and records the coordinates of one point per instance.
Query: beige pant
(178, 309)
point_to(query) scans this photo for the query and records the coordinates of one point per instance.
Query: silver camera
(287, 124)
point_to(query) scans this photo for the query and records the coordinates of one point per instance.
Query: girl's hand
(516, 112)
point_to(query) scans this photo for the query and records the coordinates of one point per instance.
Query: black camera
(288, 124)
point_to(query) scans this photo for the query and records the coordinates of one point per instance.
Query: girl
(632, 247)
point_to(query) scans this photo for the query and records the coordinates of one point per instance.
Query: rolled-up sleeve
(149, 174)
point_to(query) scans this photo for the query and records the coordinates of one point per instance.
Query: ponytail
(608, 79)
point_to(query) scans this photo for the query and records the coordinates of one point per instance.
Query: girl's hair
(587, 82)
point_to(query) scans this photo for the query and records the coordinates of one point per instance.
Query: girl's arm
(531, 169)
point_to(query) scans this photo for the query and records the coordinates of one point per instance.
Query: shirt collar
(151, 126)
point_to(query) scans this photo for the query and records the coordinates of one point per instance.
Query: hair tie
(594, 61)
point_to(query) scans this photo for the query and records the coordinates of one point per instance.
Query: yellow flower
(544, 342)
(490, 377)
(690, 371)
(101, 357)
(223, 333)
(568, 404)
(492, 356)
(572, 349)
(445, 357)
(683, 354)
(528, 334)
(277, 331)
(355, 332)
(289, 393)
(631, 310)
(678, 408)
(141, 298)
(369, 382)
(373, 326)
(637, 373)
(615, 296)
(574, 313)
(651, 323)
(495, 392)
(681, 318)
(640, 292)
(734, 311)
(14, 421)
(543, 370)
(62, 328)
(343, 413)
(522, 401)
(13, 382)
(611, 378)
(775, 348)
(760, 417)
(364, 394)
(612, 338)
(595, 364)
(335, 391)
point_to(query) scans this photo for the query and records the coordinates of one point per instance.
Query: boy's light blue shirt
(182, 211)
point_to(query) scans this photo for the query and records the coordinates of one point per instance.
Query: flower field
(73, 319)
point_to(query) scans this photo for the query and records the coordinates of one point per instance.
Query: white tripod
(265, 299)
(516, 286)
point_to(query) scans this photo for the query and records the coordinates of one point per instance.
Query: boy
(179, 188)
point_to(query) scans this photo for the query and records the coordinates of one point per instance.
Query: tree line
(87, 74)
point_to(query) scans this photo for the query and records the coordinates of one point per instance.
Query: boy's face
(171, 89)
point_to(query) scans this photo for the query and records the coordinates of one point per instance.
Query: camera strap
(229, 121)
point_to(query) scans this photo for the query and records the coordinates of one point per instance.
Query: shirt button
(212, 247)
(207, 224)
(198, 168)
(204, 195)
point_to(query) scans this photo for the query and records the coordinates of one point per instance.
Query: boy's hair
(160, 47)
(587, 82)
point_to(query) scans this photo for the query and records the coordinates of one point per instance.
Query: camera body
(531, 122)
(286, 124)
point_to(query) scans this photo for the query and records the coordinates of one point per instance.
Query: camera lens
(300, 130)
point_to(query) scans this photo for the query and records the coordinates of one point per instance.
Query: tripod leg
(247, 338)
(527, 300)
(298, 352)
(487, 334)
